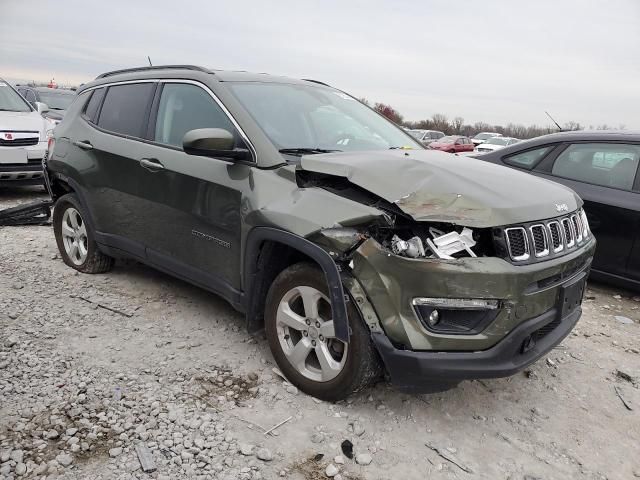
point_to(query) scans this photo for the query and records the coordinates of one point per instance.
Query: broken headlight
(437, 241)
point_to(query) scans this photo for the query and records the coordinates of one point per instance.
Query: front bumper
(436, 371)
(391, 284)
(30, 173)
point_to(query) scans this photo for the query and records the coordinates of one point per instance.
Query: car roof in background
(61, 91)
(574, 136)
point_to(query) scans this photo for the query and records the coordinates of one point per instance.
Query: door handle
(151, 164)
(85, 145)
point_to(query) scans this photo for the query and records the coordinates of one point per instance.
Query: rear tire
(76, 239)
(297, 314)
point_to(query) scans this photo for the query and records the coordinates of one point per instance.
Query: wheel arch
(270, 250)
(62, 185)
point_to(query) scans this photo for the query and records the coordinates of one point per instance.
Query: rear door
(114, 146)
(603, 174)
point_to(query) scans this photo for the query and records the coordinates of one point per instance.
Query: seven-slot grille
(518, 243)
(540, 240)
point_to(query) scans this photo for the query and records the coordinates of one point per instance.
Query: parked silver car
(23, 138)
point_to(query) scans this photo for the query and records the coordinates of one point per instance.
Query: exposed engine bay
(442, 241)
(402, 235)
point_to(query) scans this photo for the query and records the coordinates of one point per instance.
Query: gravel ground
(94, 368)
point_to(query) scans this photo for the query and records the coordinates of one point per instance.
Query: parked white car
(484, 136)
(24, 133)
(495, 143)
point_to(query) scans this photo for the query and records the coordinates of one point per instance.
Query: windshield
(498, 141)
(56, 100)
(484, 136)
(317, 118)
(446, 140)
(416, 134)
(11, 101)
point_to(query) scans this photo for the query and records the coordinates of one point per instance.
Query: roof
(186, 71)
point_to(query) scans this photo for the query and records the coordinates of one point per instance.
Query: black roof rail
(155, 67)
(316, 81)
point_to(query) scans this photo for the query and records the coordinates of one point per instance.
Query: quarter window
(606, 164)
(125, 109)
(185, 107)
(91, 110)
(527, 159)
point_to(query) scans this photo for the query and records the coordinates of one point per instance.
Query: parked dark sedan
(602, 167)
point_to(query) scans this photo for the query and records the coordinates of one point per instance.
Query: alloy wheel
(306, 334)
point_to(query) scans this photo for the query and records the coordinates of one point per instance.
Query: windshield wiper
(305, 151)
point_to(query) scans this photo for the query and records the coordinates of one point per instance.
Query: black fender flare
(332, 274)
(78, 191)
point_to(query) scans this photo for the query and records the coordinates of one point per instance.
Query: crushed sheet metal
(439, 187)
(360, 297)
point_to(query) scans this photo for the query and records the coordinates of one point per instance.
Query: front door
(191, 212)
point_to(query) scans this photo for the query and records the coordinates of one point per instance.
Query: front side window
(605, 164)
(11, 101)
(125, 109)
(185, 107)
(314, 117)
(528, 159)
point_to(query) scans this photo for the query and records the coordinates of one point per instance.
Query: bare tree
(457, 124)
(440, 122)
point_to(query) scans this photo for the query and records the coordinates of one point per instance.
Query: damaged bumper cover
(525, 302)
(423, 372)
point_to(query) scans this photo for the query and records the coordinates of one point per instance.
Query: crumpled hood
(24, 121)
(437, 186)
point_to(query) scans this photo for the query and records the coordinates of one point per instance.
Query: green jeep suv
(360, 253)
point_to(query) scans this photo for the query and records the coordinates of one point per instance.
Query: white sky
(497, 61)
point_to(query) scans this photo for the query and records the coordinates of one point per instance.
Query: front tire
(300, 332)
(75, 238)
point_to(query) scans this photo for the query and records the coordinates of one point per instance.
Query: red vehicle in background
(453, 144)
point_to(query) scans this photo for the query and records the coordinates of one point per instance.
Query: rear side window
(91, 110)
(185, 107)
(605, 164)
(528, 159)
(125, 109)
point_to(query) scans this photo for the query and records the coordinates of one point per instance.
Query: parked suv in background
(23, 139)
(357, 250)
(57, 100)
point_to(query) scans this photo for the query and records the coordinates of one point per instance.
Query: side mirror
(42, 107)
(213, 142)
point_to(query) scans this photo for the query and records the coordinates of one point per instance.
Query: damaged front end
(447, 296)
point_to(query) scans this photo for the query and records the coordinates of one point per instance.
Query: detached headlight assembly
(458, 316)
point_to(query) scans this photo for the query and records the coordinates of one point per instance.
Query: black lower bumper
(14, 175)
(423, 372)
